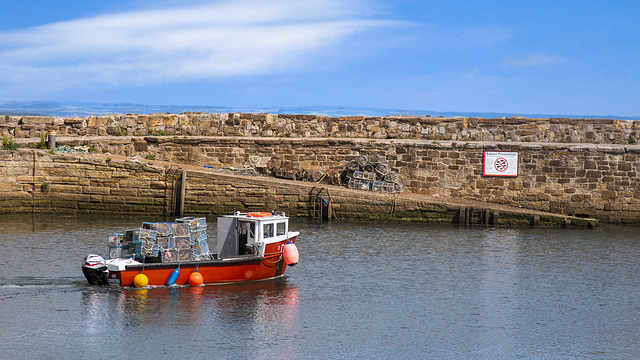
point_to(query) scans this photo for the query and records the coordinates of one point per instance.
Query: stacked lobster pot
(198, 236)
(183, 240)
(117, 246)
(132, 243)
(165, 240)
(372, 173)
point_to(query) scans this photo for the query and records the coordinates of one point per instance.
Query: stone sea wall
(572, 167)
(33, 181)
(582, 180)
(517, 129)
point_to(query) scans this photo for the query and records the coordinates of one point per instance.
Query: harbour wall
(34, 181)
(589, 171)
(579, 180)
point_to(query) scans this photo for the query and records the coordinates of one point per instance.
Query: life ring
(259, 214)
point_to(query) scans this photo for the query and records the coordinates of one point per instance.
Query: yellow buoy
(141, 280)
(196, 279)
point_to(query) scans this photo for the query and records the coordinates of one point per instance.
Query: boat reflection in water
(205, 312)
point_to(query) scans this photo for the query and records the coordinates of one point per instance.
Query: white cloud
(214, 40)
(539, 59)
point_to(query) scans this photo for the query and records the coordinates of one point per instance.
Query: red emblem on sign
(501, 164)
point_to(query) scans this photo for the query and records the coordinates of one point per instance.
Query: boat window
(281, 228)
(251, 229)
(246, 232)
(267, 230)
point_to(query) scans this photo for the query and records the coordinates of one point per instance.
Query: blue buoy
(173, 277)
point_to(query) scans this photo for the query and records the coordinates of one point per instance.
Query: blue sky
(520, 57)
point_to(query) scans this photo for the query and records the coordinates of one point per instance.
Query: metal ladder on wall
(320, 204)
(170, 191)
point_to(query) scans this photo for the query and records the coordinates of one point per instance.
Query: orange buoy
(290, 254)
(195, 279)
(259, 214)
(141, 280)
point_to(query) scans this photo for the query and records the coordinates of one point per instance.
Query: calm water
(360, 291)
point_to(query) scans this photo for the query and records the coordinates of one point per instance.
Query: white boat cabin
(249, 233)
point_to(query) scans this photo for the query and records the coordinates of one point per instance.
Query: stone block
(96, 174)
(624, 166)
(593, 174)
(9, 187)
(65, 188)
(170, 120)
(36, 120)
(140, 145)
(96, 190)
(61, 179)
(97, 121)
(151, 193)
(103, 182)
(20, 169)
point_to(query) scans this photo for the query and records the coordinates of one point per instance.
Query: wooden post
(468, 216)
(495, 218)
(536, 220)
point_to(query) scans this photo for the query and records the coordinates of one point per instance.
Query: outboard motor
(95, 270)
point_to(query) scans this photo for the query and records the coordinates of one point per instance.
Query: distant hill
(80, 109)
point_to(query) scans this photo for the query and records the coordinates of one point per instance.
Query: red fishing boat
(250, 247)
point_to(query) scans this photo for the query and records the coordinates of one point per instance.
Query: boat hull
(218, 271)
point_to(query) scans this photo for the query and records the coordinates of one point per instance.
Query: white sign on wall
(500, 163)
